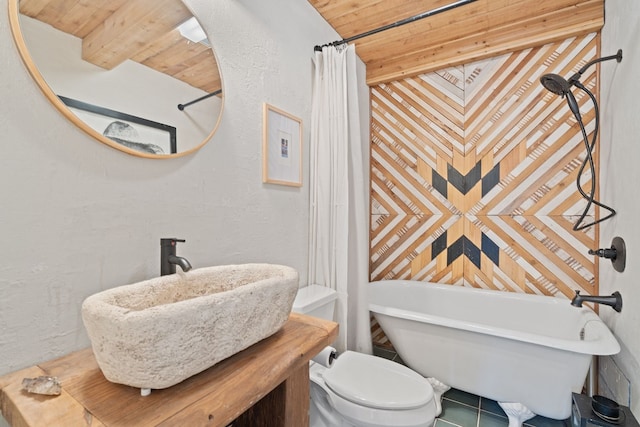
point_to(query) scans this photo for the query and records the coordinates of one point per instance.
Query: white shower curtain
(339, 238)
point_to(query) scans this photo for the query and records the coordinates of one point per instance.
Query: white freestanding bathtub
(513, 348)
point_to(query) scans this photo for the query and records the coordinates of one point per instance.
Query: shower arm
(576, 77)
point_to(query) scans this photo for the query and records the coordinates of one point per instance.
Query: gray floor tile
(459, 414)
(488, 419)
(491, 406)
(399, 360)
(444, 423)
(539, 421)
(384, 353)
(462, 397)
(468, 410)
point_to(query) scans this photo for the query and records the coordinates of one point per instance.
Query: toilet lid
(377, 383)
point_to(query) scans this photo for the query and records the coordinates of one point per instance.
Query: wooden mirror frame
(16, 31)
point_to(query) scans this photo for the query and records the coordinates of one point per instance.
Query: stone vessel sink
(156, 333)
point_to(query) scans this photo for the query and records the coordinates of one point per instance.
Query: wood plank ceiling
(144, 31)
(114, 30)
(482, 29)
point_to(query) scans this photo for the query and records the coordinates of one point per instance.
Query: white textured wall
(77, 217)
(620, 176)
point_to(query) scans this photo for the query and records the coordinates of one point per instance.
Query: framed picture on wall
(131, 131)
(281, 147)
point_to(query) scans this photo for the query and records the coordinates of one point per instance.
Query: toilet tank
(315, 300)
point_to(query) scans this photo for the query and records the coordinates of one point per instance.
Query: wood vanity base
(264, 385)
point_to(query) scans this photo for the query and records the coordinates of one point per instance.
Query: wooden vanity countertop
(214, 397)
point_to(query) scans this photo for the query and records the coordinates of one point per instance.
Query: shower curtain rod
(398, 23)
(209, 95)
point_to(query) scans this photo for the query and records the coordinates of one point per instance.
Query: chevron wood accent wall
(473, 172)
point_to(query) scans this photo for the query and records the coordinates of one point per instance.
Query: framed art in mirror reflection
(134, 132)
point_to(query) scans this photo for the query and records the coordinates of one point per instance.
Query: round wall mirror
(137, 75)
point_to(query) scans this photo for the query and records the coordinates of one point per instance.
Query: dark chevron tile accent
(439, 245)
(439, 183)
(491, 179)
(455, 250)
(465, 247)
(456, 179)
(490, 249)
(472, 252)
(464, 183)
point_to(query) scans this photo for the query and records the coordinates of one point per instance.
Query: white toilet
(360, 390)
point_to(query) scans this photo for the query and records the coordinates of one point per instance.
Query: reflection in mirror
(138, 75)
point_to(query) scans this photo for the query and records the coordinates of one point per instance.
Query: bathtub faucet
(169, 259)
(614, 300)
